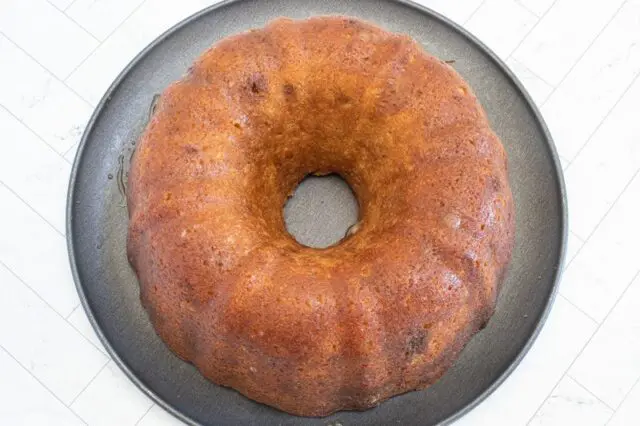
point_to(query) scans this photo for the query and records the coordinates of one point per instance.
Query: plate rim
(550, 145)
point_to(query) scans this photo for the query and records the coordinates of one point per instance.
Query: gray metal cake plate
(97, 220)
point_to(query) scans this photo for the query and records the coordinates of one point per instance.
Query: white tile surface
(501, 25)
(70, 155)
(26, 402)
(600, 173)
(563, 35)
(47, 346)
(610, 364)
(46, 33)
(40, 100)
(101, 17)
(79, 320)
(576, 64)
(566, 328)
(595, 84)
(608, 261)
(61, 4)
(539, 7)
(111, 399)
(629, 412)
(42, 181)
(27, 241)
(570, 403)
(574, 244)
(537, 88)
(459, 11)
(158, 417)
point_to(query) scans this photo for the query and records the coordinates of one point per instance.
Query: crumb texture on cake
(312, 331)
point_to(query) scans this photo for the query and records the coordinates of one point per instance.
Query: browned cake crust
(313, 331)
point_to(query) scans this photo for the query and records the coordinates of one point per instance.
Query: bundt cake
(311, 331)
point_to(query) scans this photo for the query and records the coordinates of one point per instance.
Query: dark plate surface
(97, 220)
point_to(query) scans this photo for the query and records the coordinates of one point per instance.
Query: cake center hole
(321, 211)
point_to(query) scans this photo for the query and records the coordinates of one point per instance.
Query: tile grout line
(88, 384)
(540, 18)
(603, 321)
(524, 6)
(96, 37)
(69, 150)
(595, 321)
(604, 216)
(51, 3)
(613, 107)
(102, 351)
(567, 375)
(569, 261)
(31, 207)
(73, 20)
(577, 61)
(33, 132)
(613, 410)
(577, 236)
(117, 27)
(624, 399)
(71, 313)
(144, 414)
(532, 15)
(12, 272)
(566, 371)
(574, 256)
(48, 70)
(68, 160)
(42, 384)
(69, 6)
(82, 62)
(474, 12)
(511, 58)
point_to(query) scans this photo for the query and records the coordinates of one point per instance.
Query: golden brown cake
(312, 331)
